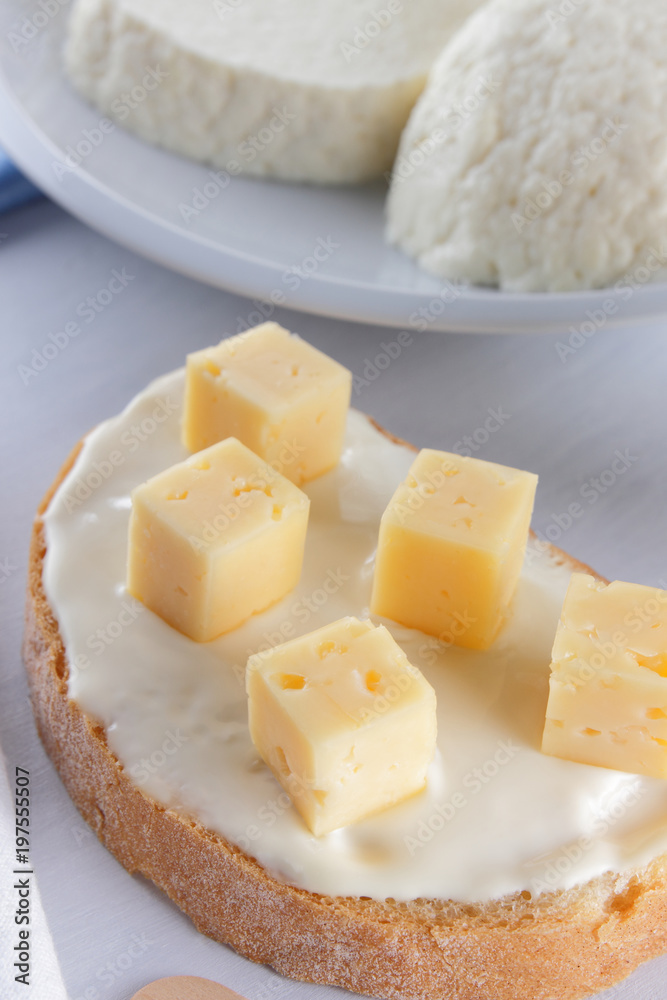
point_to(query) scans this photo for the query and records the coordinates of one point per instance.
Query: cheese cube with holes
(451, 547)
(275, 393)
(608, 687)
(215, 539)
(344, 721)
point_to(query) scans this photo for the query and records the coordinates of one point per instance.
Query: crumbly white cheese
(315, 90)
(536, 158)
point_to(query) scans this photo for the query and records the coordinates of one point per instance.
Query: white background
(566, 422)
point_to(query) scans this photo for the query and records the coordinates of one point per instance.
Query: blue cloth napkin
(15, 189)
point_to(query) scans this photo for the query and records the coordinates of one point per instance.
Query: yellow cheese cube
(345, 722)
(608, 686)
(277, 394)
(214, 539)
(451, 547)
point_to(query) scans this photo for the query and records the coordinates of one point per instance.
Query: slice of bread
(558, 945)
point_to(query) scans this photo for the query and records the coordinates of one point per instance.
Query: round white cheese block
(309, 90)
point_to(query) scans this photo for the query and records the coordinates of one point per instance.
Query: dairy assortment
(558, 190)
(221, 536)
(492, 803)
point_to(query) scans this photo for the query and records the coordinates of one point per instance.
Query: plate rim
(235, 270)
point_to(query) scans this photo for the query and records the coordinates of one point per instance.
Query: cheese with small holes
(608, 688)
(344, 721)
(451, 547)
(215, 539)
(276, 393)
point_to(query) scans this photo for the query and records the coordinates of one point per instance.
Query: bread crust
(559, 946)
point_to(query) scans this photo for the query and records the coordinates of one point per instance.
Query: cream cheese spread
(497, 816)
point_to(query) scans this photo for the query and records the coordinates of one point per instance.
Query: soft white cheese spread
(497, 815)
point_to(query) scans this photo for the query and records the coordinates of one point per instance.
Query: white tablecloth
(566, 420)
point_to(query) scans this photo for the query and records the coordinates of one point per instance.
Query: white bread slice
(558, 945)
(306, 90)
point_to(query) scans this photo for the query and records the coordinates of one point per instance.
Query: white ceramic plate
(251, 235)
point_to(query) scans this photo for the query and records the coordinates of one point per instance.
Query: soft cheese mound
(536, 157)
(312, 90)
